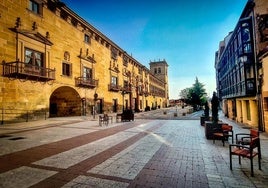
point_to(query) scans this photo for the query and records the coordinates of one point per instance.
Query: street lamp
(95, 99)
(123, 94)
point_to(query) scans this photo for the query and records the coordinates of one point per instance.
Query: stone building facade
(241, 70)
(55, 62)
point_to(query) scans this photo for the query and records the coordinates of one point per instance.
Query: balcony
(126, 89)
(143, 92)
(21, 70)
(146, 93)
(113, 87)
(263, 27)
(86, 82)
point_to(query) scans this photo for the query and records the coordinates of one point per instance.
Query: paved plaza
(147, 152)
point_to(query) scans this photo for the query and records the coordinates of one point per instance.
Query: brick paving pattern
(143, 153)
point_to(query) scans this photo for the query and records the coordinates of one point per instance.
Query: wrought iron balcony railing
(126, 89)
(113, 87)
(86, 82)
(23, 70)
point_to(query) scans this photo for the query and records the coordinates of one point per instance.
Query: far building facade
(53, 62)
(241, 70)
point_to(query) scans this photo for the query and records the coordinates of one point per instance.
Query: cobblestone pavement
(143, 153)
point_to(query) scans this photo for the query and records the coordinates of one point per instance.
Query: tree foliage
(195, 95)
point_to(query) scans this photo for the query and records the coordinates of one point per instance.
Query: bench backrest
(255, 142)
(226, 127)
(254, 133)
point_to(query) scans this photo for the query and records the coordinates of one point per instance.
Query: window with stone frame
(140, 71)
(114, 53)
(114, 81)
(125, 83)
(87, 38)
(66, 69)
(36, 6)
(87, 73)
(34, 58)
(125, 60)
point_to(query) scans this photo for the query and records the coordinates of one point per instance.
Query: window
(34, 58)
(87, 38)
(125, 60)
(66, 69)
(114, 53)
(35, 7)
(140, 71)
(87, 73)
(114, 81)
(155, 70)
(159, 70)
(125, 84)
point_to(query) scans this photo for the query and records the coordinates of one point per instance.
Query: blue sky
(186, 33)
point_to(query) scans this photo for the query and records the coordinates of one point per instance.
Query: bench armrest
(238, 146)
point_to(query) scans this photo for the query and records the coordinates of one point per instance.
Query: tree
(196, 95)
(185, 95)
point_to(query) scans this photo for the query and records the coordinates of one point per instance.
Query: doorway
(65, 101)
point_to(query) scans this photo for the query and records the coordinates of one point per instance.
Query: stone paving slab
(143, 153)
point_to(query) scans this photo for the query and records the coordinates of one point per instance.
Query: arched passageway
(64, 101)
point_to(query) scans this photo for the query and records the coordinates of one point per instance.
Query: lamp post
(94, 107)
(83, 100)
(123, 94)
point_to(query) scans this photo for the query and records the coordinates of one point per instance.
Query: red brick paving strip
(28, 156)
(67, 175)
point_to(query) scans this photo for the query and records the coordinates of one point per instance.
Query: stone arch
(64, 101)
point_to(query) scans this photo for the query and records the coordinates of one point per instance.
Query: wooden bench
(244, 138)
(247, 151)
(223, 133)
